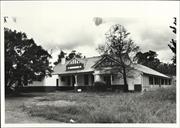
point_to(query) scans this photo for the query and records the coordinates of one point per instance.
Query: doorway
(107, 80)
(57, 82)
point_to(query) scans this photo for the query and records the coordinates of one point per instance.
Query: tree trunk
(125, 80)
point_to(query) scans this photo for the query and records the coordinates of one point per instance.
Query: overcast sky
(70, 25)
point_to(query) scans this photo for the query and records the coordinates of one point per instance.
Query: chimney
(63, 60)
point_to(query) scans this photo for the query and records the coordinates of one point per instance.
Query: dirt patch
(14, 113)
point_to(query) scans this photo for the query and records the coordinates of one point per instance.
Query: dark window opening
(156, 81)
(68, 80)
(92, 78)
(113, 77)
(166, 81)
(86, 79)
(162, 81)
(62, 78)
(151, 80)
(57, 82)
(169, 82)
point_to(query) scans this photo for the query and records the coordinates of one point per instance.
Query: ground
(92, 107)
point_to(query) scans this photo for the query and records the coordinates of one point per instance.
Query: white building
(85, 72)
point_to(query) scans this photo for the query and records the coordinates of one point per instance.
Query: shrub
(100, 86)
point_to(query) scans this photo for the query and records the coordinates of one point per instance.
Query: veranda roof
(149, 71)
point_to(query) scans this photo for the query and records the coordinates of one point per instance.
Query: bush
(100, 86)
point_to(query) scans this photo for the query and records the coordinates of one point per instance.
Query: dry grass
(107, 107)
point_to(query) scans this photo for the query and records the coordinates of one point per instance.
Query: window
(92, 78)
(162, 81)
(68, 80)
(151, 80)
(86, 79)
(62, 78)
(156, 80)
(169, 82)
(166, 81)
(113, 77)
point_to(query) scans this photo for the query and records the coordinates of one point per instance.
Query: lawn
(104, 107)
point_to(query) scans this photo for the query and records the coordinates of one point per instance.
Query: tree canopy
(172, 44)
(25, 61)
(60, 56)
(121, 47)
(150, 59)
(72, 54)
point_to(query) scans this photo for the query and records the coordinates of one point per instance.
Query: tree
(60, 56)
(25, 61)
(73, 54)
(172, 44)
(148, 59)
(151, 60)
(166, 68)
(122, 48)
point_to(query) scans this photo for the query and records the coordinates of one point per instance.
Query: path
(15, 114)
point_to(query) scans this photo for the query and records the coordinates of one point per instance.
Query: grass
(108, 107)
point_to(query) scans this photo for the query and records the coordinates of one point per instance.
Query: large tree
(148, 59)
(121, 47)
(172, 44)
(25, 61)
(72, 54)
(60, 56)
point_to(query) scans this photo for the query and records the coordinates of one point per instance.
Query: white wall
(145, 82)
(37, 83)
(50, 81)
(47, 81)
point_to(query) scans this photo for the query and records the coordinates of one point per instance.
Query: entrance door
(73, 80)
(57, 82)
(107, 79)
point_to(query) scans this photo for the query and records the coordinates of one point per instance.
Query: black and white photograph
(90, 63)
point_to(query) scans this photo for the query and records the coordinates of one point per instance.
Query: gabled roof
(91, 62)
(106, 57)
(88, 63)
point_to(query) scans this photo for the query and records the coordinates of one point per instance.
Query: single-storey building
(84, 72)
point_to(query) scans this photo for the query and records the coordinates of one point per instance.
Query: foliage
(151, 60)
(100, 86)
(166, 68)
(119, 46)
(148, 59)
(172, 44)
(25, 61)
(73, 54)
(60, 56)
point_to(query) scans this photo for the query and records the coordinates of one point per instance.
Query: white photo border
(133, 125)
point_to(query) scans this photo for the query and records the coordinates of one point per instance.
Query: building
(85, 72)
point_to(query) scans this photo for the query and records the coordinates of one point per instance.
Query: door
(73, 80)
(107, 79)
(57, 82)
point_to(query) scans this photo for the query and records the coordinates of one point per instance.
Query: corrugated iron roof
(89, 62)
(149, 71)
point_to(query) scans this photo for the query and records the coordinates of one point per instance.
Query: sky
(73, 25)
